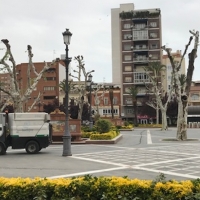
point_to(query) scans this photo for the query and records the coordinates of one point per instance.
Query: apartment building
(136, 41)
(48, 85)
(194, 96)
(100, 99)
(168, 74)
(5, 81)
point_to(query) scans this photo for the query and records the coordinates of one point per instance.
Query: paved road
(140, 154)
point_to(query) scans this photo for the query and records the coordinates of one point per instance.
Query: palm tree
(133, 91)
(154, 71)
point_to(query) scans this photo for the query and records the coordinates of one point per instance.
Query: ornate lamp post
(89, 84)
(67, 137)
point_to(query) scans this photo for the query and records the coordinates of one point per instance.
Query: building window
(140, 35)
(127, 26)
(127, 36)
(128, 68)
(127, 47)
(154, 46)
(153, 35)
(140, 46)
(141, 57)
(108, 111)
(49, 88)
(154, 57)
(194, 96)
(129, 101)
(49, 78)
(115, 100)
(169, 67)
(105, 101)
(129, 111)
(153, 24)
(127, 57)
(128, 79)
(127, 90)
(141, 77)
(140, 26)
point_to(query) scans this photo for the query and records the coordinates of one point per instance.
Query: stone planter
(58, 122)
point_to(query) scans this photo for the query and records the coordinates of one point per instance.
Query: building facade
(136, 41)
(194, 97)
(48, 85)
(168, 74)
(100, 99)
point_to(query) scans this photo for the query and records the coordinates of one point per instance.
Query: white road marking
(87, 172)
(149, 141)
(100, 161)
(166, 172)
(167, 161)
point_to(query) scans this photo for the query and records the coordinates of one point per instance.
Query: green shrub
(126, 123)
(87, 129)
(103, 125)
(92, 188)
(86, 134)
(118, 127)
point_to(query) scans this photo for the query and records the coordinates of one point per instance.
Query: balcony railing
(140, 48)
(139, 27)
(140, 59)
(140, 37)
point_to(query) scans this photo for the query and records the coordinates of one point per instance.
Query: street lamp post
(89, 84)
(67, 137)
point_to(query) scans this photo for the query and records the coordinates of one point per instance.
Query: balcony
(139, 27)
(140, 59)
(140, 48)
(141, 78)
(140, 38)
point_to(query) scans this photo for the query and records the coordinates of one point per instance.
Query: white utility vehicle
(30, 131)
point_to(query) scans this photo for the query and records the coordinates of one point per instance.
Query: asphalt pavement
(141, 153)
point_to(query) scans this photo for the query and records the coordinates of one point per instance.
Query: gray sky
(40, 23)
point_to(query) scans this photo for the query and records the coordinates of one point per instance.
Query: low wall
(58, 124)
(194, 125)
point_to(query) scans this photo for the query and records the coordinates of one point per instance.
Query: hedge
(104, 136)
(93, 188)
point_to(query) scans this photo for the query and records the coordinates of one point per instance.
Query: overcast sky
(40, 23)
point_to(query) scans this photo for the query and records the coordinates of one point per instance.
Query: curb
(113, 141)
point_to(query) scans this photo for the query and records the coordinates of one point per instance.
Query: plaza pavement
(141, 153)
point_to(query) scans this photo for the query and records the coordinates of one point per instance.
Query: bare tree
(154, 71)
(182, 91)
(82, 89)
(9, 66)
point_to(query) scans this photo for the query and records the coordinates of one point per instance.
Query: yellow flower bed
(104, 136)
(127, 127)
(150, 125)
(94, 188)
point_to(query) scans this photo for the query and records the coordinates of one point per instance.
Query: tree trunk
(164, 119)
(157, 114)
(135, 113)
(182, 121)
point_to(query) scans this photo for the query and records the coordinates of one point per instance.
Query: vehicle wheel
(32, 147)
(2, 149)
(40, 149)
